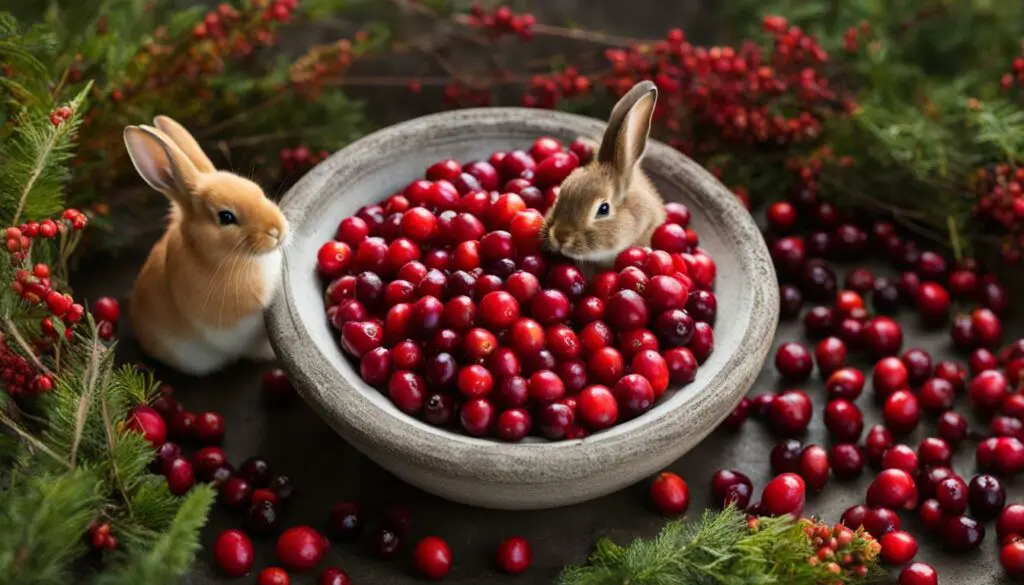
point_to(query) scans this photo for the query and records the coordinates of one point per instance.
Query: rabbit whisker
(213, 279)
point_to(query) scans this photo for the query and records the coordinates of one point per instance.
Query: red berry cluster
(18, 240)
(545, 91)
(840, 550)
(300, 159)
(279, 10)
(1016, 75)
(100, 537)
(19, 376)
(445, 297)
(59, 115)
(854, 35)
(311, 71)
(1000, 200)
(502, 21)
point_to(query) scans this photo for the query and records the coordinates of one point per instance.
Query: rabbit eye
(226, 218)
(603, 210)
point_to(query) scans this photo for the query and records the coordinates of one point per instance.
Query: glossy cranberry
(877, 440)
(607, 365)
(384, 543)
(261, 517)
(730, 486)
(793, 361)
(1013, 405)
(818, 281)
(987, 390)
(1006, 426)
(407, 391)
(819, 244)
(908, 284)
(791, 300)
(819, 321)
(1011, 557)
(982, 359)
(346, 520)
(994, 296)
(986, 496)
(900, 457)
(784, 495)
(936, 395)
(844, 420)
(901, 411)
(233, 553)
(854, 516)
(830, 354)
(477, 416)
(918, 574)
(432, 557)
(930, 513)
(953, 373)
(813, 467)
(987, 327)
(932, 303)
(670, 494)
(674, 328)
(985, 453)
(785, 456)
(626, 310)
(889, 375)
(845, 383)
(1009, 456)
(790, 413)
(880, 521)
(882, 336)
(550, 306)
(898, 547)
(952, 495)
(893, 488)
(634, 395)
(934, 451)
(274, 576)
(961, 534)
(514, 555)
(255, 471)
(846, 460)
(1011, 521)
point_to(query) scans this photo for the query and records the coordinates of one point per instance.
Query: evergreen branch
(166, 559)
(85, 402)
(28, 437)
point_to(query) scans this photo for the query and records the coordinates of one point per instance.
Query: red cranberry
(784, 495)
(845, 383)
(846, 460)
(274, 576)
(936, 395)
(334, 576)
(1011, 557)
(961, 534)
(626, 310)
(932, 302)
(702, 305)
(813, 467)
(384, 543)
(880, 521)
(893, 488)
(729, 486)
(236, 493)
(819, 321)
(830, 354)
(407, 390)
(931, 514)
(433, 557)
(854, 516)
(359, 337)
(889, 376)
(986, 496)
(1011, 521)
(844, 420)
(987, 327)
(550, 306)
(598, 407)
(919, 365)
(935, 452)
(150, 424)
(953, 373)
(918, 574)
(477, 416)
(761, 403)
(818, 281)
(952, 495)
(300, 548)
(670, 493)
(982, 359)
(900, 457)
(785, 456)
(233, 553)
(514, 555)
(739, 415)
(634, 395)
(674, 328)
(994, 297)
(877, 440)
(607, 366)
(703, 342)
(209, 427)
(1009, 456)
(791, 300)
(898, 547)
(790, 413)
(883, 336)
(346, 520)
(987, 390)
(1006, 426)
(901, 412)
(498, 310)
(782, 216)
(793, 361)
(179, 474)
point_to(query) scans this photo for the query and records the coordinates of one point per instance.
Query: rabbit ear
(625, 139)
(160, 162)
(186, 142)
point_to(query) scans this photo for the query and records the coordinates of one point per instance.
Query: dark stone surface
(325, 470)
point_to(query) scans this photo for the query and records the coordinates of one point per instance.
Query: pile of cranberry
(857, 316)
(444, 296)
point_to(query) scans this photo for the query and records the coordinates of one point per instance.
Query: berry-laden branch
(729, 548)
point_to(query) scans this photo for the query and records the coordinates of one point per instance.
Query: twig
(89, 378)
(7, 422)
(60, 84)
(12, 330)
(954, 238)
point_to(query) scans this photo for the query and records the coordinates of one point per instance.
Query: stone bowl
(484, 472)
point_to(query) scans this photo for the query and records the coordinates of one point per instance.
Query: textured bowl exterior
(535, 474)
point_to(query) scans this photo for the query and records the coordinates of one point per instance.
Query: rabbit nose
(274, 233)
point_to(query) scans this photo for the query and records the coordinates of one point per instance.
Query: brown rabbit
(610, 204)
(197, 305)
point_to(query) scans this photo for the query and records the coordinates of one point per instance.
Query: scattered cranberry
(209, 427)
(846, 460)
(148, 421)
(793, 361)
(893, 488)
(952, 495)
(900, 457)
(961, 533)
(898, 547)
(934, 452)
(790, 413)
(883, 336)
(888, 376)
(987, 390)
(514, 555)
(233, 553)
(261, 517)
(670, 493)
(901, 412)
(952, 427)
(844, 420)
(877, 440)
(986, 496)
(729, 486)
(384, 543)
(274, 576)
(830, 353)
(334, 576)
(1011, 557)
(300, 548)
(879, 521)
(845, 383)
(813, 467)
(784, 495)
(433, 557)
(918, 574)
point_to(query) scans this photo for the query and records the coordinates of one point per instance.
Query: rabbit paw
(262, 351)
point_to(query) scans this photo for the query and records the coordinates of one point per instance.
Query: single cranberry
(550, 306)
(255, 471)
(877, 440)
(830, 353)
(384, 543)
(261, 517)
(179, 474)
(634, 395)
(233, 553)
(739, 415)
(1009, 456)
(880, 521)
(936, 395)
(845, 383)
(961, 534)
(274, 576)
(844, 420)
(554, 420)
(407, 391)
(908, 284)
(994, 296)
(952, 495)
(987, 327)
(819, 321)
(893, 488)
(334, 576)
(207, 460)
(813, 467)
(818, 281)
(150, 424)
(784, 495)
(918, 574)
(1011, 521)
(347, 520)
(934, 451)
(760, 404)
(898, 547)
(883, 336)
(846, 460)
(514, 555)
(933, 302)
(931, 515)
(730, 486)
(433, 557)
(793, 361)
(953, 373)
(790, 413)
(889, 376)
(982, 359)
(986, 496)
(477, 416)
(236, 493)
(919, 365)
(987, 390)
(674, 328)
(791, 300)
(785, 456)
(860, 280)
(626, 310)
(498, 310)
(900, 457)
(886, 297)
(901, 411)
(702, 305)
(1006, 426)
(670, 493)
(1011, 557)
(854, 516)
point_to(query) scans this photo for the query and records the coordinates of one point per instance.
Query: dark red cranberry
(729, 486)
(760, 404)
(1006, 426)
(879, 521)
(886, 297)
(793, 361)
(934, 451)
(384, 543)
(901, 411)
(439, 409)
(261, 517)
(738, 416)
(961, 534)
(785, 456)
(844, 420)
(919, 365)
(788, 255)
(936, 395)
(347, 520)
(986, 496)
(236, 493)
(830, 353)
(994, 296)
(982, 359)
(256, 471)
(854, 516)
(397, 518)
(1011, 521)
(818, 281)
(790, 413)
(791, 300)
(883, 336)
(850, 241)
(987, 327)
(813, 466)
(819, 245)
(932, 303)
(877, 440)
(900, 457)
(952, 495)
(514, 555)
(987, 390)
(846, 460)
(702, 305)
(889, 376)
(931, 514)
(819, 322)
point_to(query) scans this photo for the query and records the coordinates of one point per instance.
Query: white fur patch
(598, 256)
(269, 266)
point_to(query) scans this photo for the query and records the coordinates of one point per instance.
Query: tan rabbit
(610, 204)
(197, 305)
